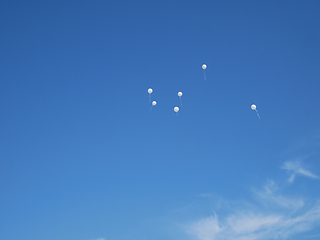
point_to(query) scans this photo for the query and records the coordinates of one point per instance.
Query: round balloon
(150, 90)
(253, 107)
(176, 109)
(204, 66)
(179, 94)
(154, 103)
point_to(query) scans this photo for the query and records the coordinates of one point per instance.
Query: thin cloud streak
(294, 168)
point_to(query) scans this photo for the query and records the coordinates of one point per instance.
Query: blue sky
(83, 158)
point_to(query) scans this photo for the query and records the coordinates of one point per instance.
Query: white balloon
(176, 109)
(150, 90)
(154, 103)
(204, 66)
(253, 107)
(179, 94)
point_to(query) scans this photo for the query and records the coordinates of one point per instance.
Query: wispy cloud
(270, 196)
(294, 168)
(254, 226)
(272, 216)
(98, 239)
(206, 229)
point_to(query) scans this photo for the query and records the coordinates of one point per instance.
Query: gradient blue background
(81, 155)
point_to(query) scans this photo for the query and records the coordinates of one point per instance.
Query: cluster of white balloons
(176, 109)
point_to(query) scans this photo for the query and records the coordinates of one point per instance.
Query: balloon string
(257, 113)
(204, 74)
(181, 101)
(149, 98)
